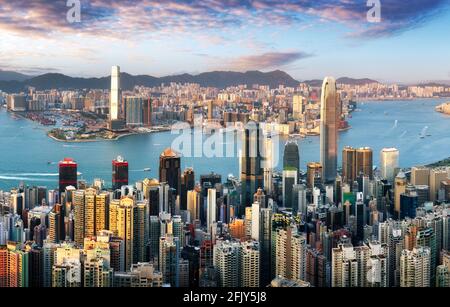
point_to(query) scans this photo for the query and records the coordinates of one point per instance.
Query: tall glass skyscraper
(251, 171)
(388, 163)
(133, 111)
(291, 159)
(170, 169)
(329, 125)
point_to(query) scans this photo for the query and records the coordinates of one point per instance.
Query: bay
(25, 149)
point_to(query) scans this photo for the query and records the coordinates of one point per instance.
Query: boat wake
(23, 178)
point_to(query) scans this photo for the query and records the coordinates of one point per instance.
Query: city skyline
(294, 36)
(248, 180)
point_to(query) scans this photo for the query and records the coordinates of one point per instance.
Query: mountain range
(14, 82)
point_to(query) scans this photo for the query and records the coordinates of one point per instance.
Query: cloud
(265, 61)
(133, 19)
(28, 70)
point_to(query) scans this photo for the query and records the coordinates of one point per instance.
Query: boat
(148, 169)
(423, 134)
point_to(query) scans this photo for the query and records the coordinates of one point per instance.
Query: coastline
(102, 139)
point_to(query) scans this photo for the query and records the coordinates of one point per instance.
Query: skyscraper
(187, 184)
(329, 126)
(437, 175)
(210, 110)
(211, 209)
(389, 163)
(297, 106)
(67, 174)
(291, 158)
(356, 163)
(314, 172)
(169, 258)
(115, 98)
(78, 199)
(268, 164)
(251, 263)
(399, 189)
(193, 205)
(119, 173)
(170, 169)
(125, 226)
(290, 178)
(415, 267)
(290, 258)
(226, 260)
(147, 112)
(133, 111)
(251, 171)
(420, 175)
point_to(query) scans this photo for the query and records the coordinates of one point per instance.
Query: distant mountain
(314, 83)
(352, 81)
(12, 76)
(436, 83)
(343, 80)
(218, 79)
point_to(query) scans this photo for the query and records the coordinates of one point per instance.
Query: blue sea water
(25, 149)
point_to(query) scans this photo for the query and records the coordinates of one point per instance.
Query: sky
(309, 39)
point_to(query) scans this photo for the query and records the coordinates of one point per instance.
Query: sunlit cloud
(265, 61)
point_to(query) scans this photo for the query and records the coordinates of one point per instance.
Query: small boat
(148, 169)
(423, 134)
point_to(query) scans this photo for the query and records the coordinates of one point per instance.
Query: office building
(313, 174)
(290, 179)
(211, 217)
(67, 174)
(437, 175)
(170, 169)
(119, 173)
(251, 168)
(291, 157)
(399, 189)
(389, 163)
(330, 115)
(133, 111)
(356, 163)
(420, 175)
(187, 184)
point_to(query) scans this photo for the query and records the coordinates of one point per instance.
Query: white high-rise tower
(115, 93)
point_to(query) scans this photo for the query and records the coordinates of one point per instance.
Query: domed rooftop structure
(169, 153)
